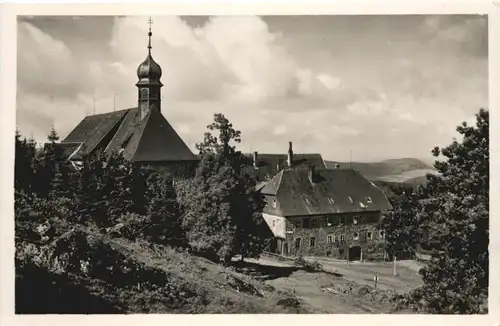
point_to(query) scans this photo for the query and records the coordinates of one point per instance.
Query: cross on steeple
(150, 22)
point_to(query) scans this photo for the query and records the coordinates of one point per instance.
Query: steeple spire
(149, 84)
(150, 22)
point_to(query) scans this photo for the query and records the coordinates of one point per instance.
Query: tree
(222, 210)
(91, 190)
(117, 187)
(165, 222)
(49, 161)
(456, 280)
(223, 145)
(25, 151)
(402, 225)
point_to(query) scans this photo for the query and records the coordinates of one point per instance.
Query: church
(141, 134)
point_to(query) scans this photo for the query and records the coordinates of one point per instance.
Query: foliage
(403, 225)
(164, 211)
(456, 280)
(223, 144)
(222, 209)
(24, 163)
(51, 171)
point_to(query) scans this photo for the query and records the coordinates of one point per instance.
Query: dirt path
(364, 273)
(310, 287)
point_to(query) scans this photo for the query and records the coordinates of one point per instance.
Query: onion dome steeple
(149, 69)
(149, 84)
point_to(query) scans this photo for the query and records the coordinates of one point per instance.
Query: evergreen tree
(118, 179)
(456, 280)
(47, 161)
(24, 161)
(92, 190)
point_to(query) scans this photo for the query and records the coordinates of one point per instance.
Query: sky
(367, 88)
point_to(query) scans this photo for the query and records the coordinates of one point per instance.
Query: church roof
(332, 191)
(151, 139)
(93, 129)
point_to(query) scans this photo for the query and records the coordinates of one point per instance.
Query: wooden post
(361, 257)
(375, 279)
(394, 264)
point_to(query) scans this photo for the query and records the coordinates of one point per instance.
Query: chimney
(290, 155)
(312, 174)
(255, 156)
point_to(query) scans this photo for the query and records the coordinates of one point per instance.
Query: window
(341, 220)
(369, 235)
(297, 224)
(274, 203)
(330, 238)
(331, 201)
(312, 242)
(274, 223)
(297, 243)
(355, 236)
(306, 223)
(341, 238)
(314, 223)
(331, 221)
(144, 93)
(355, 220)
(350, 200)
(369, 200)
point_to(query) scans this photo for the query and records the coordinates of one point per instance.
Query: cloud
(328, 85)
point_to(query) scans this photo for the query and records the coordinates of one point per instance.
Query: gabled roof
(151, 139)
(160, 142)
(270, 164)
(331, 191)
(66, 148)
(92, 130)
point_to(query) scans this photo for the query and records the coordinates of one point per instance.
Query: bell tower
(149, 84)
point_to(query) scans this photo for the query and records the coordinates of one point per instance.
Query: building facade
(324, 212)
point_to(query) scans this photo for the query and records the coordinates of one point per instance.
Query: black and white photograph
(252, 164)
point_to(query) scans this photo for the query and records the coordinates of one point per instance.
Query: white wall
(277, 224)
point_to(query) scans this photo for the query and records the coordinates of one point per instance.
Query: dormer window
(369, 200)
(331, 201)
(362, 205)
(350, 200)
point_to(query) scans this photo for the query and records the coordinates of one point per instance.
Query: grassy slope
(139, 277)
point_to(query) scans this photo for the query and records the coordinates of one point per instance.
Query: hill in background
(409, 171)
